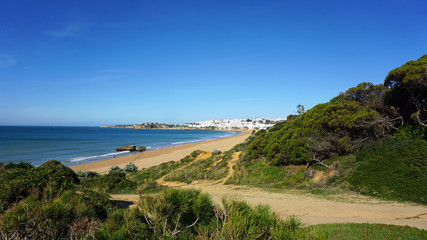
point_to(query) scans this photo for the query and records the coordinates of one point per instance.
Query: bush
(115, 169)
(216, 152)
(57, 168)
(261, 173)
(22, 180)
(130, 167)
(176, 209)
(22, 165)
(113, 182)
(124, 224)
(58, 218)
(87, 174)
(196, 153)
(392, 169)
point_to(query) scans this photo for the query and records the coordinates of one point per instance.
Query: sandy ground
(311, 209)
(156, 157)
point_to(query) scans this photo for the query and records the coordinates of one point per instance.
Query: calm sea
(77, 145)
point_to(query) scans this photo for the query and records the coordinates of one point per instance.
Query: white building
(249, 123)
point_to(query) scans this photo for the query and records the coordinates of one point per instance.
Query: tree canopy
(349, 121)
(408, 85)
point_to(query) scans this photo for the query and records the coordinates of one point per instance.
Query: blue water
(77, 145)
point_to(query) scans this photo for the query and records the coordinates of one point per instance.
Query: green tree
(408, 93)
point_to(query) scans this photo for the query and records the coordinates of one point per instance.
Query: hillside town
(249, 123)
(226, 124)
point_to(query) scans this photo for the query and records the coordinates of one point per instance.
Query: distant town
(225, 124)
(249, 123)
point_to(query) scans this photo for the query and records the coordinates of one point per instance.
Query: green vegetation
(261, 173)
(44, 203)
(330, 136)
(22, 180)
(338, 127)
(356, 231)
(113, 182)
(129, 168)
(408, 94)
(392, 169)
(149, 175)
(213, 168)
(189, 214)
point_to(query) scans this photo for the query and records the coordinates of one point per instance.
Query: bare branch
(317, 161)
(189, 226)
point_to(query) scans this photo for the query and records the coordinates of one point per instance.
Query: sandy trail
(311, 209)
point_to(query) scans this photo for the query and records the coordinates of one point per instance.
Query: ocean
(78, 145)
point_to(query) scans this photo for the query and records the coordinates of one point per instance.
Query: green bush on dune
(22, 180)
(113, 182)
(189, 214)
(43, 203)
(392, 169)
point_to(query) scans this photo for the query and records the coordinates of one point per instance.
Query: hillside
(147, 125)
(387, 121)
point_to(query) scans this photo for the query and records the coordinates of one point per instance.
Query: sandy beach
(156, 157)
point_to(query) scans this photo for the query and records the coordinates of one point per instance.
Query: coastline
(155, 157)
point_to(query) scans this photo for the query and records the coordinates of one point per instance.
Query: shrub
(176, 210)
(124, 224)
(392, 169)
(113, 182)
(216, 152)
(115, 169)
(46, 181)
(57, 168)
(87, 174)
(196, 153)
(150, 187)
(261, 173)
(57, 218)
(130, 167)
(22, 165)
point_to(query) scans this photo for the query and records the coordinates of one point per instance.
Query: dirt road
(313, 209)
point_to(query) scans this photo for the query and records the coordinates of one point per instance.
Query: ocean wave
(186, 142)
(79, 159)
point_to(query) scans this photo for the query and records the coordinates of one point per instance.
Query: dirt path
(230, 164)
(311, 209)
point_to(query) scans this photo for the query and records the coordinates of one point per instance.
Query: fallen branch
(416, 216)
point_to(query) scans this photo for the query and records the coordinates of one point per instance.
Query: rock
(141, 149)
(126, 148)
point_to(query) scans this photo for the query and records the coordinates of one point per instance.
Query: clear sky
(113, 62)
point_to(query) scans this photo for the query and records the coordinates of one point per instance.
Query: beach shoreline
(155, 157)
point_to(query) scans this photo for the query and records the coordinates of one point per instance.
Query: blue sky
(114, 62)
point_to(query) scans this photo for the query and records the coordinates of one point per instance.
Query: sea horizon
(75, 145)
